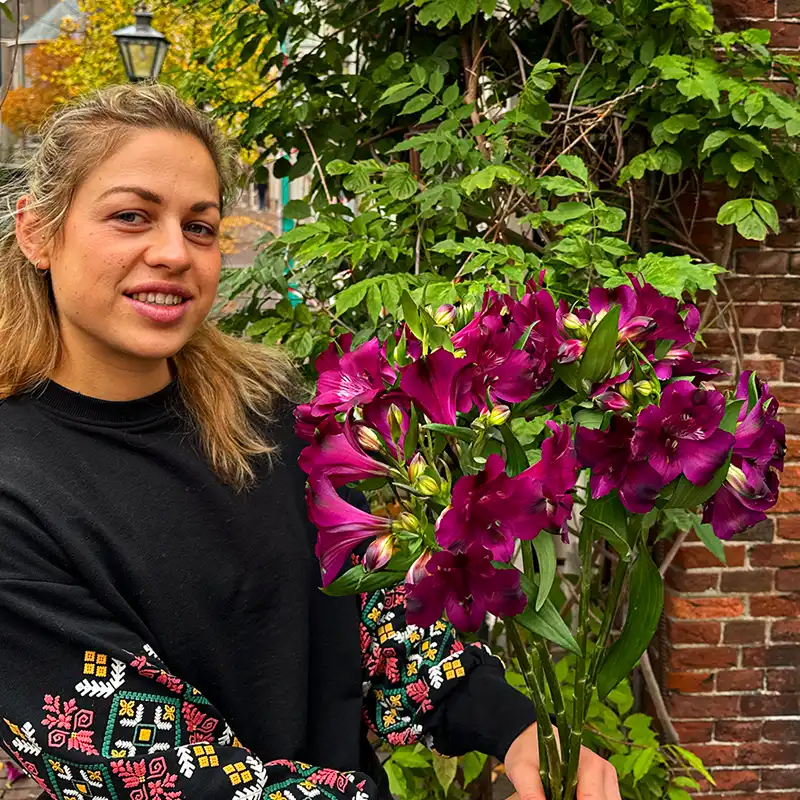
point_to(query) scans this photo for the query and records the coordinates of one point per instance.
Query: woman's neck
(105, 381)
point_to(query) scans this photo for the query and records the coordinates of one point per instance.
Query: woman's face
(136, 267)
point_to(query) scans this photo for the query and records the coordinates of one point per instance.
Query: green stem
(538, 701)
(581, 705)
(612, 603)
(555, 692)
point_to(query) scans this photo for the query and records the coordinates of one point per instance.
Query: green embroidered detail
(70, 780)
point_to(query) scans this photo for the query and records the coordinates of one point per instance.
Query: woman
(163, 634)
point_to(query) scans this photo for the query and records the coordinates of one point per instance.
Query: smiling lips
(162, 308)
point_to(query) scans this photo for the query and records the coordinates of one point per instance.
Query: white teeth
(158, 298)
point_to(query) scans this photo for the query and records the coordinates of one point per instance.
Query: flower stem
(586, 546)
(549, 762)
(549, 669)
(612, 603)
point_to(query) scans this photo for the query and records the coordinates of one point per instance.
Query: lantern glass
(142, 48)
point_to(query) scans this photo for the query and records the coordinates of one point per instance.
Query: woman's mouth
(158, 299)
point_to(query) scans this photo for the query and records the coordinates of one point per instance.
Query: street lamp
(142, 47)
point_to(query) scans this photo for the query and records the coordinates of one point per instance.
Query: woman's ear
(28, 236)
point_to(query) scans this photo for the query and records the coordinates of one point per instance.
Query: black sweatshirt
(164, 637)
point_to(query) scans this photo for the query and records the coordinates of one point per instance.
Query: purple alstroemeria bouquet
(487, 433)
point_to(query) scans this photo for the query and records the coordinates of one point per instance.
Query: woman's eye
(201, 229)
(132, 217)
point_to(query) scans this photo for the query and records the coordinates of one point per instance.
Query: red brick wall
(733, 660)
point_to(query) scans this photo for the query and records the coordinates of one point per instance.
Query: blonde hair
(229, 386)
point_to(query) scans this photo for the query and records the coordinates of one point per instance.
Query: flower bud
(570, 351)
(498, 415)
(644, 388)
(379, 553)
(626, 389)
(427, 486)
(572, 322)
(395, 419)
(368, 438)
(416, 468)
(738, 480)
(418, 569)
(637, 329)
(445, 314)
(611, 401)
(406, 522)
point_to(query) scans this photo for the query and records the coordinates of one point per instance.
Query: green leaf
(742, 162)
(687, 495)
(561, 186)
(643, 763)
(646, 601)
(734, 211)
(350, 297)
(445, 769)
(411, 315)
(575, 166)
(374, 303)
(611, 521)
(465, 434)
(546, 622)
(752, 227)
(400, 182)
(398, 92)
(472, 766)
(545, 549)
(357, 581)
(436, 82)
(451, 95)
(598, 357)
(416, 104)
(337, 167)
(398, 785)
(715, 140)
(693, 760)
(768, 213)
(706, 535)
(731, 417)
(516, 460)
(296, 209)
(409, 757)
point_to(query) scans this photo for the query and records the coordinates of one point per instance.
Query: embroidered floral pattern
(70, 726)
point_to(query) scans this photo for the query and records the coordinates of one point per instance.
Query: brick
(744, 632)
(704, 607)
(750, 581)
(742, 780)
(779, 343)
(783, 730)
(716, 755)
(690, 732)
(775, 555)
(780, 778)
(789, 527)
(768, 753)
(688, 682)
(791, 314)
(791, 420)
(783, 680)
(775, 605)
(782, 655)
(745, 289)
(763, 531)
(745, 8)
(729, 730)
(784, 290)
(700, 557)
(786, 630)
(787, 580)
(770, 369)
(718, 343)
(740, 680)
(693, 632)
(786, 8)
(786, 394)
(702, 706)
(768, 705)
(762, 262)
(765, 315)
(788, 499)
(790, 475)
(793, 442)
(683, 581)
(704, 657)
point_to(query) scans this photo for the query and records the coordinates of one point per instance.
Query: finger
(591, 776)
(612, 784)
(527, 782)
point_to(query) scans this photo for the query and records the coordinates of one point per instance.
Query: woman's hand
(597, 779)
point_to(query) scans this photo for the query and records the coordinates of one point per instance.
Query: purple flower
(538, 309)
(330, 357)
(760, 438)
(547, 485)
(570, 350)
(608, 454)
(340, 526)
(341, 458)
(678, 362)
(377, 415)
(741, 501)
(485, 510)
(358, 378)
(495, 365)
(308, 426)
(682, 435)
(465, 585)
(379, 552)
(439, 385)
(609, 397)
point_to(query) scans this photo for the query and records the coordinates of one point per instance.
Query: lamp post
(142, 47)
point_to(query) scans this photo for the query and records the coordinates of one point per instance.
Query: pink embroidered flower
(398, 738)
(132, 773)
(148, 670)
(328, 777)
(69, 725)
(149, 780)
(200, 725)
(418, 692)
(290, 765)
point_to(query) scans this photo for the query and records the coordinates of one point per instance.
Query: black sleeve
(89, 710)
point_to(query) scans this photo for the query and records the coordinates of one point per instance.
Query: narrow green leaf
(609, 515)
(547, 623)
(465, 434)
(350, 297)
(516, 460)
(646, 601)
(411, 315)
(706, 535)
(687, 495)
(374, 303)
(545, 549)
(598, 358)
(357, 581)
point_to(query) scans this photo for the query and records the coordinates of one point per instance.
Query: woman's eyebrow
(152, 197)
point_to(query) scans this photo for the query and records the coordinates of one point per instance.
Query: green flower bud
(445, 314)
(427, 486)
(644, 388)
(416, 468)
(406, 522)
(367, 438)
(626, 389)
(499, 415)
